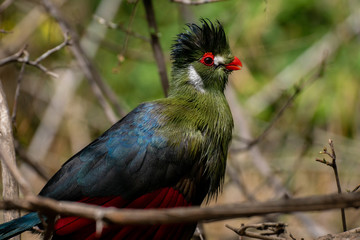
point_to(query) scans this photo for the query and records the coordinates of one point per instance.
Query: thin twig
(22, 56)
(121, 56)
(14, 57)
(66, 42)
(17, 93)
(333, 165)
(155, 44)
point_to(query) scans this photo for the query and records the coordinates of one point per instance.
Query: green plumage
(203, 114)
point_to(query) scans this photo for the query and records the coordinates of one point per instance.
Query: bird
(165, 153)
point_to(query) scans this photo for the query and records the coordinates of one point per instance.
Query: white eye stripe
(218, 60)
(195, 79)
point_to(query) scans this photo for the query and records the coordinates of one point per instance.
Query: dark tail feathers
(19, 225)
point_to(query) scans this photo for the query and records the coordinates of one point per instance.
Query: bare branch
(155, 44)
(182, 214)
(22, 56)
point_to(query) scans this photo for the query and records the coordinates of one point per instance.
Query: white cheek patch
(218, 60)
(195, 79)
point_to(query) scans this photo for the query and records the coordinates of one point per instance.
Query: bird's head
(202, 59)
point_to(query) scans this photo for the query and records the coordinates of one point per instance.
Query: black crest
(191, 45)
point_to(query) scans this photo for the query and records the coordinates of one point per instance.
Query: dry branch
(183, 214)
(155, 44)
(22, 56)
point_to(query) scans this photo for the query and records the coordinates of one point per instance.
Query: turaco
(164, 154)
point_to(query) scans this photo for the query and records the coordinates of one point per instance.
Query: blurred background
(283, 46)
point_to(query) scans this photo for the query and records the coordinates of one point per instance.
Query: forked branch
(333, 165)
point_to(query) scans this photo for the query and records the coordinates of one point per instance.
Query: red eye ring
(207, 59)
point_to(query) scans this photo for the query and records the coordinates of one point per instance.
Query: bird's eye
(207, 59)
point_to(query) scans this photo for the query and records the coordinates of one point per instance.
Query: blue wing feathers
(19, 225)
(122, 160)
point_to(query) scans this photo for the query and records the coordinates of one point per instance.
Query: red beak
(234, 65)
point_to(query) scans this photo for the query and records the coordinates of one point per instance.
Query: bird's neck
(207, 110)
(188, 81)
